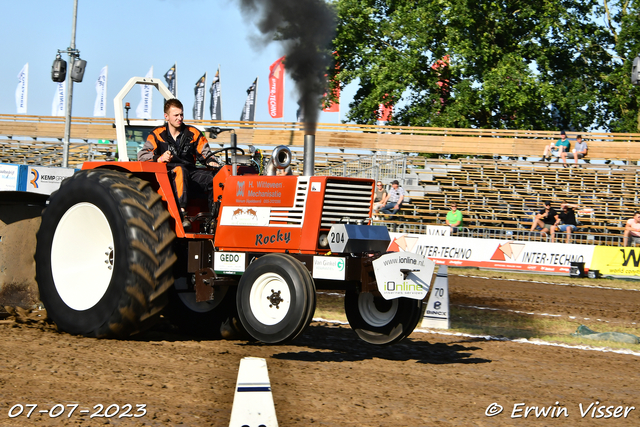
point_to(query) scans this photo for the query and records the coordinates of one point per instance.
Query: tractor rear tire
(379, 321)
(276, 298)
(104, 255)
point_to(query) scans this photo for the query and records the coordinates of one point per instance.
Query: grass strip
(547, 278)
(502, 323)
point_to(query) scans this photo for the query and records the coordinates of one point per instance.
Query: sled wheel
(200, 319)
(104, 255)
(275, 298)
(379, 321)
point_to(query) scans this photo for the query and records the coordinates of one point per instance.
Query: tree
(621, 98)
(486, 64)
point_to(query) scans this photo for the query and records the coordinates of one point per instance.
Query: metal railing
(384, 167)
(580, 238)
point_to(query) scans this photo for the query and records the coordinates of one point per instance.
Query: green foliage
(557, 64)
(620, 97)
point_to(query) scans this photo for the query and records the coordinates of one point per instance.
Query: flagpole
(151, 94)
(220, 87)
(204, 94)
(175, 76)
(106, 79)
(255, 100)
(67, 120)
(26, 89)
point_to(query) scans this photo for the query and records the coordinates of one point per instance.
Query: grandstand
(498, 181)
(500, 197)
(37, 140)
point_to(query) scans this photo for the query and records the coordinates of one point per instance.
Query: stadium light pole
(67, 121)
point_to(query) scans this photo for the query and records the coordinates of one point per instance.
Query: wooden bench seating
(480, 142)
(50, 152)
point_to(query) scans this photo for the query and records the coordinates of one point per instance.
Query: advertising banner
(334, 107)
(385, 111)
(46, 180)
(612, 261)
(249, 109)
(403, 274)
(171, 78)
(494, 253)
(259, 190)
(143, 110)
(198, 91)
(238, 215)
(9, 177)
(230, 262)
(215, 108)
(100, 106)
(331, 268)
(276, 89)
(21, 90)
(57, 106)
(438, 230)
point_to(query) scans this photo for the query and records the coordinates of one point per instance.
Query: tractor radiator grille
(292, 217)
(346, 199)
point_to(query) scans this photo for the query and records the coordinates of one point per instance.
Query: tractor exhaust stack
(309, 155)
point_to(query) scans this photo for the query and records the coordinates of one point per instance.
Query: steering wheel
(226, 150)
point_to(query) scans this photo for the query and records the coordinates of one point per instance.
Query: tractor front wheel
(276, 298)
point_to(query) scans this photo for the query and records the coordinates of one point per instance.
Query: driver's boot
(186, 224)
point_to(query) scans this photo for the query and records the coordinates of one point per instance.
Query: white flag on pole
(100, 107)
(57, 107)
(21, 90)
(144, 108)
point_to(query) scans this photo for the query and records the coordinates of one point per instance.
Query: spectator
(632, 229)
(559, 149)
(580, 149)
(454, 218)
(380, 194)
(545, 219)
(392, 201)
(565, 221)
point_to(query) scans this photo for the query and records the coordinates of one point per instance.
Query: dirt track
(330, 378)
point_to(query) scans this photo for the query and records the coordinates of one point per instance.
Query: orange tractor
(112, 254)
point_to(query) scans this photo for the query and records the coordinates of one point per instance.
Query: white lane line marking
(547, 283)
(518, 340)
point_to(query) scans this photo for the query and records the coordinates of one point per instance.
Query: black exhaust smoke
(306, 29)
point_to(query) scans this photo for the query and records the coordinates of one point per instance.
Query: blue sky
(130, 37)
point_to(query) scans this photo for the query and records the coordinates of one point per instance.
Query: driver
(179, 145)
